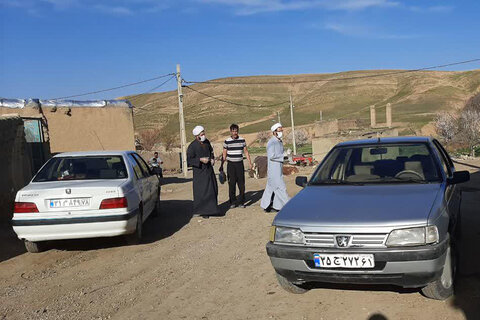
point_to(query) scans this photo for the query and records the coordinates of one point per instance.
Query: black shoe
(267, 210)
(205, 217)
(233, 206)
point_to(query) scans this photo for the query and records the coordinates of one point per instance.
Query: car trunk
(70, 197)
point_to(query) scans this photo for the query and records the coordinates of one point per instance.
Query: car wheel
(289, 286)
(34, 247)
(442, 288)
(136, 236)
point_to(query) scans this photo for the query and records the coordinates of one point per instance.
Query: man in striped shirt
(234, 148)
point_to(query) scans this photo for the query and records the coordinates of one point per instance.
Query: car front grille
(326, 240)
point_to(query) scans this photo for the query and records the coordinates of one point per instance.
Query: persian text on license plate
(69, 203)
(343, 260)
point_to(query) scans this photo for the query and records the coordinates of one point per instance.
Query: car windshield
(82, 168)
(387, 163)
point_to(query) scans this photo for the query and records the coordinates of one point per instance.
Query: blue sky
(55, 48)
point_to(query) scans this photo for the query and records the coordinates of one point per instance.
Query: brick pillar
(373, 117)
(388, 115)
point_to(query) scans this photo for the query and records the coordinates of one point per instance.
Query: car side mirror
(301, 181)
(459, 177)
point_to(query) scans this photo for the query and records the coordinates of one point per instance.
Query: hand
(204, 160)
(251, 166)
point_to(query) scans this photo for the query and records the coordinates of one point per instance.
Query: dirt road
(217, 268)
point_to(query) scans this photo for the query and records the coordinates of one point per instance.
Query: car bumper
(405, 267)
(76, 227)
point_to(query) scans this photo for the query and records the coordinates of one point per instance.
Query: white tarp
(12, 103)
(22, 103)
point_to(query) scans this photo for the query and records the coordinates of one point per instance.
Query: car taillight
(25, 207)
(114, 203)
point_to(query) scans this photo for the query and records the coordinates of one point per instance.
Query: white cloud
(115, 10)
(365, 31)
(114, 7)
(432, 9)
(248, 7)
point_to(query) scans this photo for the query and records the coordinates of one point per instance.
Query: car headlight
(412, 236)
(286, 235)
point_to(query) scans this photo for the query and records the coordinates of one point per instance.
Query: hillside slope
(415, 98)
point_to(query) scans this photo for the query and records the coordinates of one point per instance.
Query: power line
(150, 90)
(337, 79)
(236, 103)
(114, 88)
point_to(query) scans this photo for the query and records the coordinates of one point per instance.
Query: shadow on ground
(467, 289)
(251, 197)
(10, 245)
(169, 180)
(173, 215)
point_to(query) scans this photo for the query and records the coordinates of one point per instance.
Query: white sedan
(86, 195)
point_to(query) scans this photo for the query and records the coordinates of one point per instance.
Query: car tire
(289, 286)
(442, 288)
(34, 247)
(136, 237)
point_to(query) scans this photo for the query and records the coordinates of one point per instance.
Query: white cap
(276, 126)
(197, 130)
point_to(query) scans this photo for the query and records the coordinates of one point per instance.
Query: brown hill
(415, 98)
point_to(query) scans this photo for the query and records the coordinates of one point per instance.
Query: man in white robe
(276, 188)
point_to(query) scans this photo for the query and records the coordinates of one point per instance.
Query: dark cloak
(205, 188)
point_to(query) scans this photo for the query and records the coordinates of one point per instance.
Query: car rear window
(82, 168)
(387, 163)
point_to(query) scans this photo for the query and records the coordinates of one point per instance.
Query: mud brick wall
(15, 166)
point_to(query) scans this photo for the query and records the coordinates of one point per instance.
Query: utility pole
(278, 116)
(293, 126)
(183, 139)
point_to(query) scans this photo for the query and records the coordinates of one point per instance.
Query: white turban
(276, 126)
(196, 131)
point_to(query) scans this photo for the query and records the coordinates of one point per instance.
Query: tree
(446, 125)
(263, 136)
(473, 103)
(170, 141)
(301, 138)
(469, 125)
(149, 137)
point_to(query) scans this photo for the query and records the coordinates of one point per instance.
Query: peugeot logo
(342, 241)
(68, 191)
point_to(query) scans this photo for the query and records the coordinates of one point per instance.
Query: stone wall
(15, 163)
(323, 128)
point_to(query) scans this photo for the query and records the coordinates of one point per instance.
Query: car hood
(365, 205)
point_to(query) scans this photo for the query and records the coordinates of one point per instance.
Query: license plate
(70, 203)
(343, 260)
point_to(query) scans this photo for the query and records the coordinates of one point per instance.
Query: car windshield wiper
(407, 180)
(336, 181)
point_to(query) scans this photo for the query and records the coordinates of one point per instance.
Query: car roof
(94, 153)
(386, 140)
